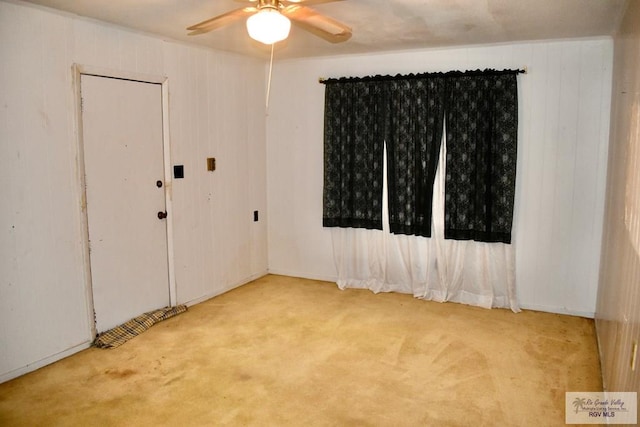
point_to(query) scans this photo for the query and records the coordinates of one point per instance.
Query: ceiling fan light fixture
(268, 26)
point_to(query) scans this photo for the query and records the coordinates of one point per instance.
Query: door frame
(79, 70)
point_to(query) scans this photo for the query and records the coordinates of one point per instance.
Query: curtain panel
(414, 113)
(482, 127)
(353, 155)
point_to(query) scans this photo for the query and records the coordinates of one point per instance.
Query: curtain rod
(323, 80)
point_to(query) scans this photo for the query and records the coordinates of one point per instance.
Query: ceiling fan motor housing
(272, 4)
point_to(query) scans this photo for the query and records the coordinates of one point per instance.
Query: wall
(618, 311)
(564, 104)
(213, 111)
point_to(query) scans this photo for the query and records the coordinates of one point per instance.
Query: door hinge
(81, 104)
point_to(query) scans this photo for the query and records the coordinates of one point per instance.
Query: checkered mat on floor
(134, 327)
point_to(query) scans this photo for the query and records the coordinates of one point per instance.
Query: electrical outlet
(178, 171)
(634, 355)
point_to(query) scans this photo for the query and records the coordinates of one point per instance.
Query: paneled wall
(213, 110)
(564, 102)
(618, 313)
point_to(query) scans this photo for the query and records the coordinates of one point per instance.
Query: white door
(124, 172)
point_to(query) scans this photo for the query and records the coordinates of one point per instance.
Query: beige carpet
(282, 351)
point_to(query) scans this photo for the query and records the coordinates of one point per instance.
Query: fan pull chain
(269, 81)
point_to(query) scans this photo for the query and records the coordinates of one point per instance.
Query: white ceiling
(378, 25)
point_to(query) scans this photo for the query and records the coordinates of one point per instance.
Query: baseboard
(7, 376)
(601, 355)
(558, 310)
(226, 288)
(302, 275)
(534, 307)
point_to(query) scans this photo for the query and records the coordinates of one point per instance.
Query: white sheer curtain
(463, 271)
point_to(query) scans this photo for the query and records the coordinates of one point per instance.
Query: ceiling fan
(269, 21)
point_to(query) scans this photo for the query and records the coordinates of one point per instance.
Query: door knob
(159, 184)
(162, 215)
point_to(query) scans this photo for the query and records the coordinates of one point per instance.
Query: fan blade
(221, 20)
(318, 24)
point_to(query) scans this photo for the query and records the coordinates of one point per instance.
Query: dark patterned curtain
(353, 155)
(481, 126)
(407, 112)
(415, 114)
